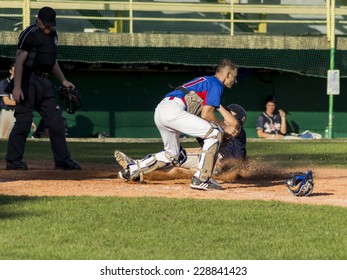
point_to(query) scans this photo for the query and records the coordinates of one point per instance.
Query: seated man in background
(271, 124)
(7, 105)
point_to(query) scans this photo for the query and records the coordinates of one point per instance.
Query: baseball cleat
(215, 183)
(122, 159)
(210, 184)
(126, 175)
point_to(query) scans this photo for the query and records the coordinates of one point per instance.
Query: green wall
(122, 103)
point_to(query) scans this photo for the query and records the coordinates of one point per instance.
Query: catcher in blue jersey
(190, 109)
(231, 155)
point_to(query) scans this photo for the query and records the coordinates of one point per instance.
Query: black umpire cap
(47, 16)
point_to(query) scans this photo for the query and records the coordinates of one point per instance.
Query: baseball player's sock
(210, 184)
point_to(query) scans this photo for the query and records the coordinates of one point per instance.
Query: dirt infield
(258, 183)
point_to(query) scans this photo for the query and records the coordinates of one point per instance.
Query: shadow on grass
(6, 200)
(12, 199)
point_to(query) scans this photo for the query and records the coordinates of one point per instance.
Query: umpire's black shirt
(42, 48)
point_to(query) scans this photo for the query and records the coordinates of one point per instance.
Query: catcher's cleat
(215, 182)
(126, 175)
(122, 159)
(210, 184)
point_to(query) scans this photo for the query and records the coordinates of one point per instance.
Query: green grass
(153, 228)
(158, 228)
(300, 153)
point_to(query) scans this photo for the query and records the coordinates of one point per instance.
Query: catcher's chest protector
(194, 103)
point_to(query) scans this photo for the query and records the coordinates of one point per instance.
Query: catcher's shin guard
(153, 162)
(209, 153)
(135, 169)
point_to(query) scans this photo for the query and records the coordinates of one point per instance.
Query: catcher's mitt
(70, 99)
(301, 184)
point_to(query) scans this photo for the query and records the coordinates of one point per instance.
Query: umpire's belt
(40, 74)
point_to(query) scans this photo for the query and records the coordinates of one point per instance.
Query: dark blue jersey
(268, 124)
(235, 148)
(3, 85)
(4, 91)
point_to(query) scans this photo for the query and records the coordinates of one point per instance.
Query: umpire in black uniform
(36, 59)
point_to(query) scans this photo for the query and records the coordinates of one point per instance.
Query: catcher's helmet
(301, 184)
(239, 113)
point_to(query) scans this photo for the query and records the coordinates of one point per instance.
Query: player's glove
(301, 184)
(70, 99)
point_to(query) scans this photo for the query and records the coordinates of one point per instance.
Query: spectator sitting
(270, 124)
(7, 105)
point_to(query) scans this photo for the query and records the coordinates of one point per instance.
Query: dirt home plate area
(257, 183)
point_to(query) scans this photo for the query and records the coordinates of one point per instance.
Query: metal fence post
(131, 24)
(332, 65)
(26, 13)
(231, 18)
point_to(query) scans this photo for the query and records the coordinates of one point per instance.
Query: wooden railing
(322, 15)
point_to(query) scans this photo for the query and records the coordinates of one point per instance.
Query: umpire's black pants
(39, 96)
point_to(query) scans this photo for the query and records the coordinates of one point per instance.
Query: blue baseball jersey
(209, 88)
